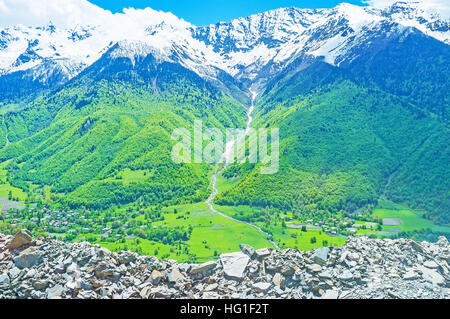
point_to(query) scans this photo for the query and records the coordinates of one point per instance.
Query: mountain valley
(359, 94)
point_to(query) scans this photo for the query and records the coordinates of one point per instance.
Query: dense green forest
(341, 144)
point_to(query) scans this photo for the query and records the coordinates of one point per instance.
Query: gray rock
(175, 275)
(74, 283)
(318, 290)
(73, 269)
(102, 271)
(353, 256)
(55, 292)
(287, 270)
(278, 280)
(126, 257)
(346, 276)
(331, 294)
(325, 275)
(60, 269)
(262, 253)
(41, 284)
(4, 279)
(205, 267)
(248, 250)
(442, 241)
(211, 287)
(22, 238)
(156, 277)
(86, 286)
(417, 247)
(345, 295)
(184, 267)
(431, 264)
(410, 275)
(234, 265)
(261, 287)
(315, 268)
(31, 274)
(321, 256)
(343, 256)
(28, 258)
(432, 276)
(14, 273)
(145, 292)
(350, 263)
(447, 259)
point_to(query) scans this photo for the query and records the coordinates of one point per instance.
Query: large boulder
(234, 265)
(22, 238)
(156, 277)
(432, 276)
(28, 258)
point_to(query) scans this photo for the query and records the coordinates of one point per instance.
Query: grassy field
(286, 237)
(16, 192)
(5, 187)
(213, 233)
(412, 220)
(211, 236)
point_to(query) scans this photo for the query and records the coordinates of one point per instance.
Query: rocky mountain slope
(363, 268)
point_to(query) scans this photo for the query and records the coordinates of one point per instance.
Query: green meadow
(412, 219)
(6, 188)
(285, 237)
(213, 235)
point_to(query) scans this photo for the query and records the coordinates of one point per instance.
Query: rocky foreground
(363, 268)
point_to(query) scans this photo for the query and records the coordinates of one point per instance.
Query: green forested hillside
(347, 139)
(340, 145)
(105, 138)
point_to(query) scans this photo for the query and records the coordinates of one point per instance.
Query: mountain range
(360, 95)
(251, 49)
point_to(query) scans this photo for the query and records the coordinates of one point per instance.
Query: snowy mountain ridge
(244, 48)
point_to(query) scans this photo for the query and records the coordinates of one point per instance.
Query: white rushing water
(7, 140)
(228, 157)
(229, 147)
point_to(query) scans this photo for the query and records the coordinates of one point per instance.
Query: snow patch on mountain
(246, 48)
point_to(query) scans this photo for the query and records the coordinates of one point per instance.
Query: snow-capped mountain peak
(246, 48)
